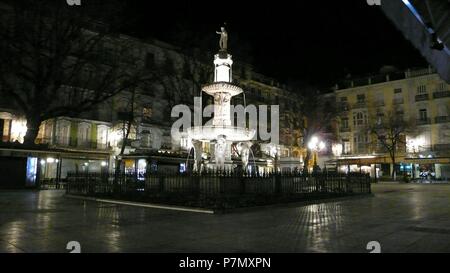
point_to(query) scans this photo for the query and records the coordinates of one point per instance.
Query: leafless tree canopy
(390, 132)
(56, 60)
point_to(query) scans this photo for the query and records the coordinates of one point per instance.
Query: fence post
(242, 182)
(161, 183)
(277, 183)
(347, 183)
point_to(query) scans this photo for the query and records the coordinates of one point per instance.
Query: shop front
(24, 168)
(428, 168)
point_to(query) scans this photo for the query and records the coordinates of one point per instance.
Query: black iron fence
(217, 189)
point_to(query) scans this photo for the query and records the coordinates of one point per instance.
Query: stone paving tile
(430, 243)
(402, 217)
(6, 247)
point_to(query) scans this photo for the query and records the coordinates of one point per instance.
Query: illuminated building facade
(419, 98)
(92, 141)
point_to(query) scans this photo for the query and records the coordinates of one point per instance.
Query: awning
(436, 160)
(363, 160)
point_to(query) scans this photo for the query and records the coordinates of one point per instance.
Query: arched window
(359, 118)
(84, 134)
(102, 136)
(63, 132)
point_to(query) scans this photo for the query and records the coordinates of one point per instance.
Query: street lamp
(316, 145)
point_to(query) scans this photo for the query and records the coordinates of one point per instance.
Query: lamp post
(315, 145)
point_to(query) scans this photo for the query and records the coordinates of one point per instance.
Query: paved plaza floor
(401, 217)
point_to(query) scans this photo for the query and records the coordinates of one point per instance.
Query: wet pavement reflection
(402, 217)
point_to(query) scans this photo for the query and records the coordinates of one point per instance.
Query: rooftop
(383, 78)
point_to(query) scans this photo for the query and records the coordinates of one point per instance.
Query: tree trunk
(33, 124)
(306, 161)
(394, 174)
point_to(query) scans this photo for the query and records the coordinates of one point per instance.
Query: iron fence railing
(442, 119)
(223, 189)
(423, 121)
(70, 142)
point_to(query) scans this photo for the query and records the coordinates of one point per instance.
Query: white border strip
(139, 204)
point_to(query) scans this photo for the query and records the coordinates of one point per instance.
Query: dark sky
(318, 42)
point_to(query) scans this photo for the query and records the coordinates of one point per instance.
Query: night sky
(316, 43)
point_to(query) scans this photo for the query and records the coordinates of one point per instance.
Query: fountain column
(198, 150)
(221, 133)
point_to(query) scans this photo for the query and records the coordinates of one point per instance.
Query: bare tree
(390, 132)
(57, 61)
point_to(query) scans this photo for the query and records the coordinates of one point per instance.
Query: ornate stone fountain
(221, 133)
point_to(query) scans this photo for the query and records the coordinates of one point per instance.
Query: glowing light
(86, 164)
(18, 130)
(315, 144)
(321, 145)
(103, 164)
(42, 162)
(414, 144)
(50, 160)
(142, 163)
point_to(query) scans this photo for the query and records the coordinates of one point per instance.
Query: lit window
(147, 112)
(421, 89)
(423, 114)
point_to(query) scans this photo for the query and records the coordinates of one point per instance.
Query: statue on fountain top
(223, 42)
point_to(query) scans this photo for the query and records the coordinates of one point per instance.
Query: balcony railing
(442, 119)
(422, 97)
(379, 103)
(343, 107)
(344, 129)
(441, 147)
(423, 121)
(398, 101)
(436, 150)
(361, 104)
(69, 142)
(441, 94)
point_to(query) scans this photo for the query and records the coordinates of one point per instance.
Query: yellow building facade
(418, 97)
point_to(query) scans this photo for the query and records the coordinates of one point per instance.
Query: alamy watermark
(74, 247)
(374, 246)
(374, 2)
(251, 117)
(73, 2)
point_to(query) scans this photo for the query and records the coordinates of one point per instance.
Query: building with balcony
(92, 141)
(419, 98)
